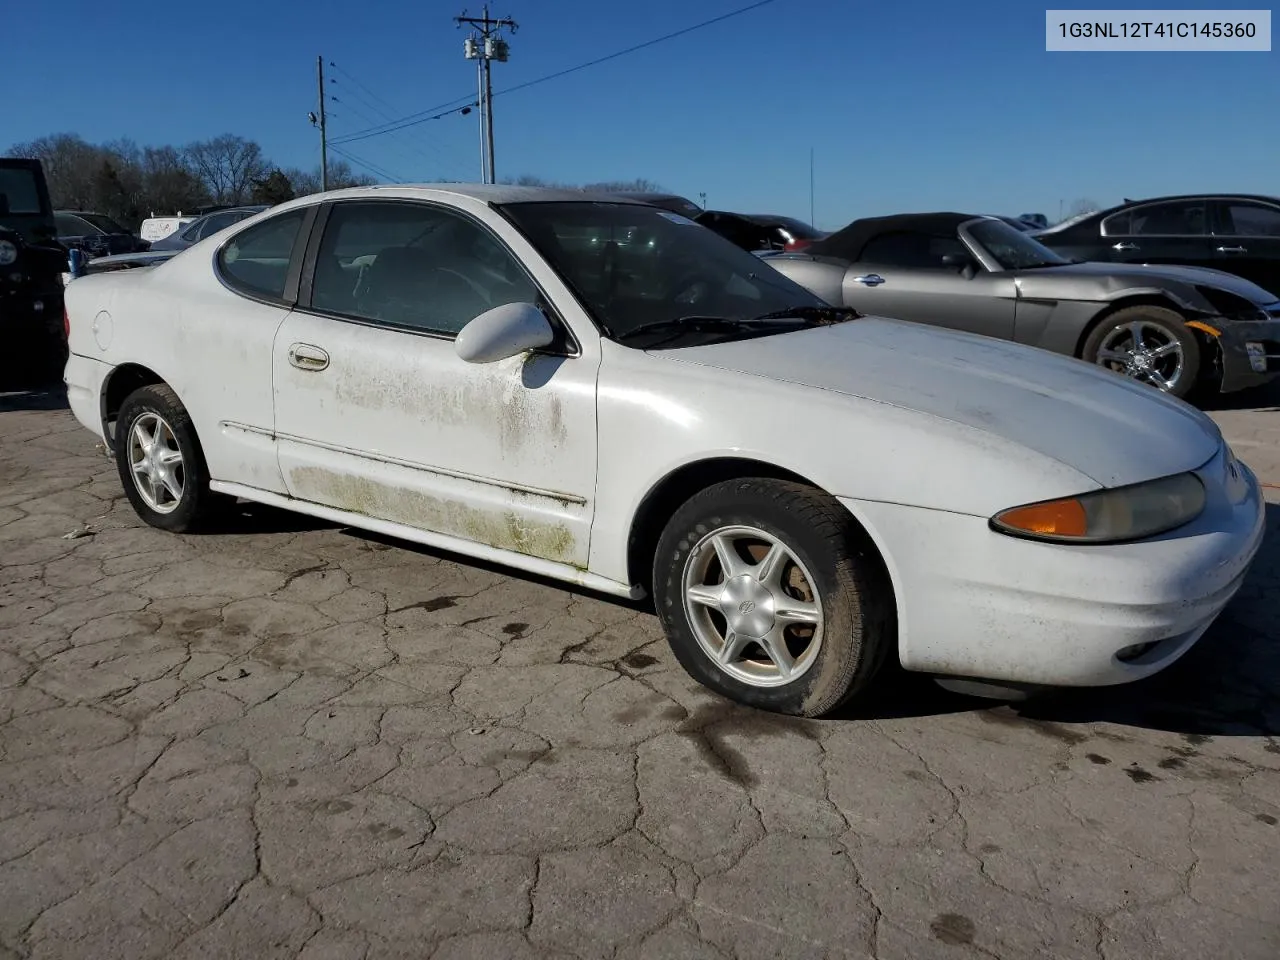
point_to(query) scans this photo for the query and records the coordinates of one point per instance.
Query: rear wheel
(769, 596)
(160, 461)
(1152, 345)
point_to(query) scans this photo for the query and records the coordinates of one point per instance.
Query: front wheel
(1149, 344)
(770, 597)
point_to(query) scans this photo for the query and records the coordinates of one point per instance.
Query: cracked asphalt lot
(289, 739)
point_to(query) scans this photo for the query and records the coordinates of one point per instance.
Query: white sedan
(603, 392)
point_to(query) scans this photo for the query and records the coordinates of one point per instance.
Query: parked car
(792, 483)
(207, 226)
(1170, 327)
(123, 261)
(31, 265)
(157, 228)
(667, 201)
(1016, 223)
(1238, 233)
(755, 232)
(95, 234)
(1034, 220)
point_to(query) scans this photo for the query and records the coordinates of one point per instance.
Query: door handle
(305, 356)
(1124, 245)
(869, 280)
(1232, 249)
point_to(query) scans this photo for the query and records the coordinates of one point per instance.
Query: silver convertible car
(1171, 327)
(606, 393)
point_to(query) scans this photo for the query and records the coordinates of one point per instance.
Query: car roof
(1198, 196)
(492, 193)
(847, 243)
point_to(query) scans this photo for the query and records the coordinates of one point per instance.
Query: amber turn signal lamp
(1057, 518)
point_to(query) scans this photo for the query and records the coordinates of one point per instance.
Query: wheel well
(122, 381)
(1145, 299)
(676, 488)
(1210, 349)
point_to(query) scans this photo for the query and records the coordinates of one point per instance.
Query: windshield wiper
(700, 325)
(820, 316)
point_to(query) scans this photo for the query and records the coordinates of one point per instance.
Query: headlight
(8, 252)
(1230, 305)
(1109, 516)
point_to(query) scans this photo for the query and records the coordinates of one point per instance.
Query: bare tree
(341, 175)
(70, 165)
(170, 185)
(638, 185)
(1082, 206)
(228, 165)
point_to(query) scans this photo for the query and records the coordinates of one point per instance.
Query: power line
(365, 89)
(451, 106)
(639, 46)
(371, 167)
(409, 148)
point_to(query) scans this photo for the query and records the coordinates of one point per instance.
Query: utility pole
(812, 223)
(484, 46)
(702, 195)
(319, 122)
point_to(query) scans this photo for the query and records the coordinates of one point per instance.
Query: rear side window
(1179, 218)
(19, 191)
(256, 261)
(69, 226)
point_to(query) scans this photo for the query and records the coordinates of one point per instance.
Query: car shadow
(46, 397)
(1265, 398)
(246, 517)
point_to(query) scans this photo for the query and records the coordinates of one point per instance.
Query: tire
(195, 504)
(853, 602)
(1160, 325)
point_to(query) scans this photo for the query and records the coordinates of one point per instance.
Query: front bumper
(1250, 353)
(978, 604)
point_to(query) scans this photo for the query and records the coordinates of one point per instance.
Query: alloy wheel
(753, 606)
(1143, 351)
(156, 461)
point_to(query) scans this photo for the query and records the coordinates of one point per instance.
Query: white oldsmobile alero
(605, 393)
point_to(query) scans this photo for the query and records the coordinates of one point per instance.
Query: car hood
(1125, 275)
(1111, 429)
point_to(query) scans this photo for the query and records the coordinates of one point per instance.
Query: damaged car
(478, 369)
(1172, 327)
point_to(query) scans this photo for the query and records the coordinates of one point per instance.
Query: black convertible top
(847, 243)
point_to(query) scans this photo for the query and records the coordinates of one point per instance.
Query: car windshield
(105, 224)
(633, 265)
(1012, 248)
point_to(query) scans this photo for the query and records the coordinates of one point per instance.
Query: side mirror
(505, 331)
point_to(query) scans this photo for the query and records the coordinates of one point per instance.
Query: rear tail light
(66, 323)
(797, 244)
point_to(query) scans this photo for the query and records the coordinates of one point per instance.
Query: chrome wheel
(753, 606)
(156, 461)
(1144, 351)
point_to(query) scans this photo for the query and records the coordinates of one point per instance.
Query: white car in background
(603, 392)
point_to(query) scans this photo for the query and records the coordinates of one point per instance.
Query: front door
(903, 275)
(377, 415)
(1246, 241)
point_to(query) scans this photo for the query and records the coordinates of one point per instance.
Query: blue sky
(908, 105)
